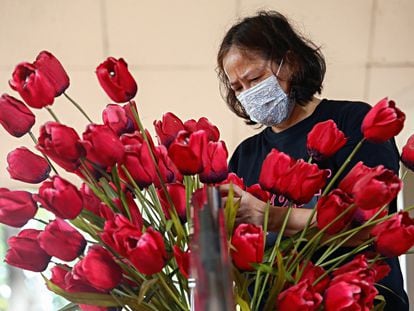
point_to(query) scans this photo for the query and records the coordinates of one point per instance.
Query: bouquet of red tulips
(121, 238)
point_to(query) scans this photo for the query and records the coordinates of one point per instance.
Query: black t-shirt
(248, 157)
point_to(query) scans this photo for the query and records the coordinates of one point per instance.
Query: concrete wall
(171, 47)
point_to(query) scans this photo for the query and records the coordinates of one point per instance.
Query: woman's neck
(299, 113)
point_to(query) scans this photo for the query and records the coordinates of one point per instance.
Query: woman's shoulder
(344, 106)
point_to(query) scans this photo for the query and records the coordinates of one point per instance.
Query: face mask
(266, 102)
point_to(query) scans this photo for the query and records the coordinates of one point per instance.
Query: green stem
(343, 166)
(316, 236)
(41, 221)
(171, 293)
(78, 107)
(273, 254)
(343, 258)
(52, 114)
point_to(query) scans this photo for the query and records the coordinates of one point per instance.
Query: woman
(269, 75)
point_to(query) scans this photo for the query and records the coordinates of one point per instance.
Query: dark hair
(269, 34)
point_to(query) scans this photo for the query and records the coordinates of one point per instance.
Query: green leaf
(103, 300)
(70, 307)
(244, 306)
(145, 287)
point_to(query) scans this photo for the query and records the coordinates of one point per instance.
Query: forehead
(239, 61)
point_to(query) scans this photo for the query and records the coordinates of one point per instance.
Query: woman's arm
(252, 211)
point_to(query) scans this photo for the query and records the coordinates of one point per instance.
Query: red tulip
(116, 80)
(102, 145)
(177, 194)
(169, 172)
(16, 207)
(26, 253)
(84, 307)
(61, 240)
(376, 189)
(62, 144)
(117, 119)
(119, 234)
(296, 180)
(138, 160)
(60, 197)
(359, 266)
(168, 128)
(383, 121)
(98, 269)
(259, 193)
(183, 260)
(148, 253)
(248, 245)
(349, 292)
(232, 178)
(355, 174)
(63, 277)
(299, 297)
(15, 117)
(215, 163)
(32, 85)
(187, 152)
(26, 166)
(394, 236)
(407, 156)
(204, 124)
(53, 70)
(330, 206)
(90, 201)
(324, 140)
(311, 273)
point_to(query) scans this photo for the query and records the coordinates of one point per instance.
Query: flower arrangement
(123, 239)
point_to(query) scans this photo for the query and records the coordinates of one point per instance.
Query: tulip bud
(248, 242)
(98, 269)
(214, 163)
(102, 146)
(26, 253)
(178, 198)
(26, 166)
(119, 232)
(15, 117)
(148, 254)
(61, 240)
(183, 260)
(376, 188)
(50, 66)
(407, 156)
(394, 236)
(383, 121)
(295, 179)
(62, 144)
(204, 124)
(116, 80)
(60, 197)
(324, 140)
(168, 129)
(32, 85)
(330, 206)
(117, 119)
(16, 207)
(301, 296)
(187, 152)
(138, 160)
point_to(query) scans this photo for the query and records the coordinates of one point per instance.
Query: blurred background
(170, 47)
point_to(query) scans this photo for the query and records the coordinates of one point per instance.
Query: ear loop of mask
(278, 69)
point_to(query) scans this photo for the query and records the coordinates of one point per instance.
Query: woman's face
(245, 69)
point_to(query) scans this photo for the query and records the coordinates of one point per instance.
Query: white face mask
(266, 102)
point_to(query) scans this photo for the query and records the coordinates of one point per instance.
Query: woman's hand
(251, 209)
